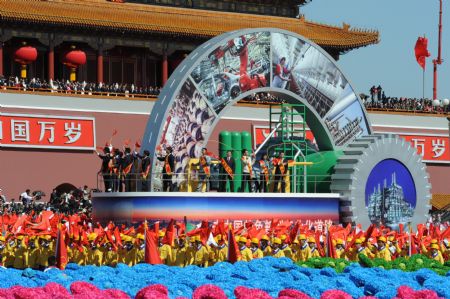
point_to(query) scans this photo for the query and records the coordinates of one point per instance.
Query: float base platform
(160, 206)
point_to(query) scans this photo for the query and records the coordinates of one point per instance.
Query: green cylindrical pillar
(236, 144)
(246, 139)
(225, 143)
(224, 146)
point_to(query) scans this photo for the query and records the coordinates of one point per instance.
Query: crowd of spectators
(77, 86)
(379, 100)
(71, 202)
(263, 98)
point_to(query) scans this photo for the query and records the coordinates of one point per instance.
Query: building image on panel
(387, 205)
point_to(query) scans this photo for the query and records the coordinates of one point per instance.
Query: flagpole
(423, 85)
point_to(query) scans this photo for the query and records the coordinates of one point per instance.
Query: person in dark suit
(227, 163)
(168, 169)
(127, 169)
(145, 171)
(106, 168)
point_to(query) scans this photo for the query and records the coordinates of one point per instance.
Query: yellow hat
(2, 239)
(265, 237)
(283, 237)
(255, 241)
(382, 239)
(140, 236)
(340, 242)
(358, 241)
(311, 240)
(277, 241)
(302, 237)
(19, 237)
(92, 236)
(349, 239)
(243, 239)
(295, 241)
(434, 246)
(391, 238)
(197, 238)
(161, 234)
(434, 241)
(363, 239)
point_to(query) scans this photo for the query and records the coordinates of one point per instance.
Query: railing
(217, 182)
(433, 111)
(80, 92)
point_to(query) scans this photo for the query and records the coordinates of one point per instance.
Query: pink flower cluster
(84, 290)
(405, 292)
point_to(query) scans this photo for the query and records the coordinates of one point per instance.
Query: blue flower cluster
(268, 274)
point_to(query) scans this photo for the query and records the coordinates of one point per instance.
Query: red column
(51, 63)
(1, 58)
(100, 66)
(165, 69)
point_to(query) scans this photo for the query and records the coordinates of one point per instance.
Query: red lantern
(25, 55)
(74, 59)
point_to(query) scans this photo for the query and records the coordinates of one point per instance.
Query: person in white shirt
(26, 197)
(247, 162)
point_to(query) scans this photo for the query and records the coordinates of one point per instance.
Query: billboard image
(213, 206)
(346, 120)
(188, 122)
(239, 65)
(390, 194)
(299, 67)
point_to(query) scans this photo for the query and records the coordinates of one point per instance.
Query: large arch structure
(237, 64)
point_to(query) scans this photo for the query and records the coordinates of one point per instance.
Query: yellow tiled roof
(440, 201)
(170, 20)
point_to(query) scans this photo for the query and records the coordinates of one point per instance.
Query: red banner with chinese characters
(46, 131)
(260, 133)
(433, 148)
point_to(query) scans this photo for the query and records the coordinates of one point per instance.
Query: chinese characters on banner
(43, 131)
(318, 225)
(431, 148)
(260, 133)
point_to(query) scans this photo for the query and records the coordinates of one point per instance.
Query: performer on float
(204, 172)
(227, 172)
(145, 171)
(127, 169)
(106, 168)
(247, 163)
(168, 168)
(116, 173)
(281, 167)
(264, 177)
(254, 247)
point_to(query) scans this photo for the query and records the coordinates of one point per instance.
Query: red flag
(293, 233)
(233, 249)
(151, 255)
(117, 237)
(331, 251)
(61, 249)
(156, 228)
(421, 51)
(170, 234)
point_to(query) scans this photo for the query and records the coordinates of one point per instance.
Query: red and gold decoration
(73, 59)
(24, 56)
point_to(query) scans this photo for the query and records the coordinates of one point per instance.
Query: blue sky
(390, 63)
